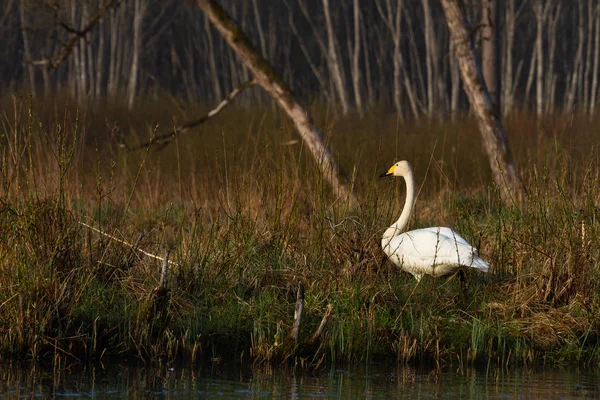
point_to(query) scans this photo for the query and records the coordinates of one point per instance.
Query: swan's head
(401, 168)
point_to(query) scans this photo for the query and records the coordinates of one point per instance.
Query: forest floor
(245, 219)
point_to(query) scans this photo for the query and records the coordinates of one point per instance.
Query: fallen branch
(313, 339)
(116, 239)
(134, 250)
(166, 138)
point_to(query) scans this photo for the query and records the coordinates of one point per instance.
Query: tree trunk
(540, 10)
(430, 59)
(489, 50)
(138, 15)
(493, 134)
(267, 78)
(596, 60)
(334, 59)
(356, 58)
(575, 78)
(27, 48)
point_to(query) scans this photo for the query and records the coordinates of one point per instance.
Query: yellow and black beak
(390, 172)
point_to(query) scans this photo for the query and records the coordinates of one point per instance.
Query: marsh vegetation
(246, 218)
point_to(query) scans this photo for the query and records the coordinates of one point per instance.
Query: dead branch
(134, 250)
(313, 339)
(166, 138)
(116, 239)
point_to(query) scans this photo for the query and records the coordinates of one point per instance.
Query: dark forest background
(354, 53)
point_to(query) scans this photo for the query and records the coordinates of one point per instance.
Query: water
(118, 381)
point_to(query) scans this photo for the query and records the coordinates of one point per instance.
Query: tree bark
(270, 81)
(489, 50)
(356, 58)
(334, 59)
(138, 15)
(493, 134)
(27, 48)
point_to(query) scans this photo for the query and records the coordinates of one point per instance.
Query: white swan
(436, 251)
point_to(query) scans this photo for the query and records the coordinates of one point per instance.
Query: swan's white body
(436, 251)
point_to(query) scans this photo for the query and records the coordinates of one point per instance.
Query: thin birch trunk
(454, 82)
(337, 73)
(571, 90)
(367, 64)
(259, 29)
(550, 75)
(530, 77)
(267, 77)
(493, 134)
(307, 54)
(114, 67)
(539, 52)
(356, 72)
(596, 57)
(212, 62)
(100, 59)
(507, 98)
(588, 56)
(27, 48)
(489, 50)
(138, 16)
(429, 59)
(415, 66)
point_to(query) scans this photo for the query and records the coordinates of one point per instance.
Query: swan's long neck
(398, 226)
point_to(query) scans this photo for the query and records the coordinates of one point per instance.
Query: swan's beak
(390, 172)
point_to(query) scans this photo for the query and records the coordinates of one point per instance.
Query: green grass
(247, 217)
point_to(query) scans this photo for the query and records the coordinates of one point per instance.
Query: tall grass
(247, 217)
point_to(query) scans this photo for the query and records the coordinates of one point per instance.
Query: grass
(246, 218)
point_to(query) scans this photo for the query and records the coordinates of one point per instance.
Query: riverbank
(246, 219)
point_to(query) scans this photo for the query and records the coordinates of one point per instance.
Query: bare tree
(540, 8)
(266, 77)
(337, 73)
(138, 17)
(493, 134)
(489, 50)
(356, 72)
(577, 70)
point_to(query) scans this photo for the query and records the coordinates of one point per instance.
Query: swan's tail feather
(480, 264)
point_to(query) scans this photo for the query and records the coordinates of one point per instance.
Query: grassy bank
(246, 218)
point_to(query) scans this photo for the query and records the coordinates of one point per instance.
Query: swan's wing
(433, 246)
(447, 232)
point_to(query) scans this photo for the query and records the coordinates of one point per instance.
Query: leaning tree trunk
(490, 126)
(270, 81)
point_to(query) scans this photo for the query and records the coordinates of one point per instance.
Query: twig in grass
(134, 250)
(294, 334)
(166, 138)
(313, 339)
(116, 239)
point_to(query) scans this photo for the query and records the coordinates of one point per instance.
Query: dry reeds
(249, 219)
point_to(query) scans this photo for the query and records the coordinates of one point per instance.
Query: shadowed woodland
(354, 54)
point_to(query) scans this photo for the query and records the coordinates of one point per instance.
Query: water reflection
(123, 381)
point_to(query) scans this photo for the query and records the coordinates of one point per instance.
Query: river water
(133, 382)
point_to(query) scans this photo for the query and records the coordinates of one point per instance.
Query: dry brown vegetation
(247, 218)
